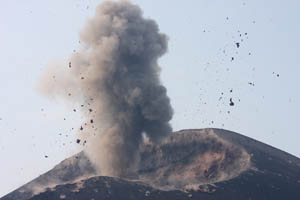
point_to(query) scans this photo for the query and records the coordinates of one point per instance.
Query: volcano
(211, 164)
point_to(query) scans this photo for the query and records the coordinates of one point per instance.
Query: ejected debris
(231, 103)
(276, 74)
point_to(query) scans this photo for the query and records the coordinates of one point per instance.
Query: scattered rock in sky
(231, 103)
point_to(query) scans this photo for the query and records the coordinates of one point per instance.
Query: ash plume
(114, 80)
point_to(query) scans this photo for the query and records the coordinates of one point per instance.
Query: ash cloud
(115, 79)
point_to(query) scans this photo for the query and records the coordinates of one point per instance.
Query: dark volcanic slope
(190, 164)
(69, 170)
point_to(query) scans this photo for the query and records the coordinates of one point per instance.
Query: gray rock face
(190, 164)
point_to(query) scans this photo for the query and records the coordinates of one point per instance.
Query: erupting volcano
(130, 151)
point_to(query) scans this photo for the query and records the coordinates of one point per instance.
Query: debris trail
(121, 89)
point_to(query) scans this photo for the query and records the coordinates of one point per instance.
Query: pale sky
(197, 69)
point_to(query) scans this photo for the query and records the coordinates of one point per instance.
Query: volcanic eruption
(130, 151)
(115, 77)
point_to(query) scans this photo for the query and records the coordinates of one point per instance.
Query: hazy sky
(203, 69)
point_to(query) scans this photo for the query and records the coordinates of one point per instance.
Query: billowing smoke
(114, 79)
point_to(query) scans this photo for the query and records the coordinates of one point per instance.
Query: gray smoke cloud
(115, 79)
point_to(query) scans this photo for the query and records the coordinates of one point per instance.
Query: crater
(190, 159)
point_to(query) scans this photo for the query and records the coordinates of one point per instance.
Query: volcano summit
(210, 164)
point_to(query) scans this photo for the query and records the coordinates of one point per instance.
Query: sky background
(202, 70)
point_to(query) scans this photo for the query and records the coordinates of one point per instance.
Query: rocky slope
(189, 164)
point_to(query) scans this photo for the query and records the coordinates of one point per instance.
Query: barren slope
(207, 163)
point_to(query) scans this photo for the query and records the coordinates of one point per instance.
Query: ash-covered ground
(205, 163)
(186, 159)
